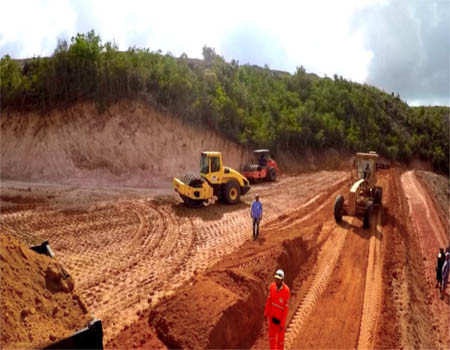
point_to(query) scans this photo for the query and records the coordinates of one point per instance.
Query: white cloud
(34, 25)
(314, 34)
(321, 35)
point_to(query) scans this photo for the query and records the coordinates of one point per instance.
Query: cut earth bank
(135, 254)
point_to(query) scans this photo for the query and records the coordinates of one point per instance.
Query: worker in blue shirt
(256, 215)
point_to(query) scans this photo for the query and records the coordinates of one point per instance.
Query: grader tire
(338, 208)
(378, 195)
(232, 192)
(367, 215)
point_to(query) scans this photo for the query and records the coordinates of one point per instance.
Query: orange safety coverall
(277, 308)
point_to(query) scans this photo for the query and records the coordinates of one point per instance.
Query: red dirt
(193, 278)
(114, 277)
(38, 305)
(432, 235)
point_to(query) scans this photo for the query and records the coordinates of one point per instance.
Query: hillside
(131, 145)
(90, 141)
(249, 105)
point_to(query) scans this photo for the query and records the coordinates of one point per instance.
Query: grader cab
(364, 193)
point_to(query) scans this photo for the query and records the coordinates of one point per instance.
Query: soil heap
(39, 306)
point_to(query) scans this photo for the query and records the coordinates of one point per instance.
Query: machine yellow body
(215, 181)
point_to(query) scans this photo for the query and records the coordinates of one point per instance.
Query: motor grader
(364, 193)
(215, 182)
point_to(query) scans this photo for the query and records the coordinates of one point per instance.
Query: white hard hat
(279, 274)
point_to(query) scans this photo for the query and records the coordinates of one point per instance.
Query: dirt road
(432, 235)
(126, 254)
(351, 287)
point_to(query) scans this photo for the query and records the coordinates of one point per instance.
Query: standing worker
(445, 273)
(256, 215)
(367, 172)
(439, 264)
(276, 310)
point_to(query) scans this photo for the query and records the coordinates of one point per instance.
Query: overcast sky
(399, 46)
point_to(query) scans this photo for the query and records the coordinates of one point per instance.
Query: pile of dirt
(137, 337)
(206, 314)
(38, 304)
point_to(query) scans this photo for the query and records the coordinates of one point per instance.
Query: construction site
(161, 270)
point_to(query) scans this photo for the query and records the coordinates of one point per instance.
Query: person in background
(256, 213)
(262, 161)
(445, 273)
(439, 264)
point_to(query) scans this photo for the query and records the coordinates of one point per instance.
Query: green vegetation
(251, 105)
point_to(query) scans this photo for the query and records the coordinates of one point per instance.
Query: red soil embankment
(130, 145)
(432, 235)
(38, 304)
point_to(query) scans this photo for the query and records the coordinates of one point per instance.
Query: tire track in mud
(418, 198)
(290, 219)
(327, 260)
(373, 286)
(126, 254)
(431, 236)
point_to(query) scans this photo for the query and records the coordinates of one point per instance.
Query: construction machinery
(262, 168)
(364, 193)
(215, 182)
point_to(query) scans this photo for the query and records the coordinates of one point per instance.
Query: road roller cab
(364, 193)
(263, 167)
(215, 181)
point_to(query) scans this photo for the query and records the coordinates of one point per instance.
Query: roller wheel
(192, 180)
(338, 208)
(196, 182)
(367, 215)
(232, 192)
(250, 167)
(271, 174)
(193, 203)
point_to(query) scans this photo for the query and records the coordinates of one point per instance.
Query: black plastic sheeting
(90, 337)
(43, 248)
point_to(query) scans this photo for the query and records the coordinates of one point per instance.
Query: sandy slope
(130, 145)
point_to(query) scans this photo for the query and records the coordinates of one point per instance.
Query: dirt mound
(38, 304)
(208, 315)
(143, 337)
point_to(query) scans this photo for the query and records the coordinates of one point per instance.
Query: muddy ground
(162, 275)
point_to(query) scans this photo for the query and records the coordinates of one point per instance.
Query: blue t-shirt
(256, 209)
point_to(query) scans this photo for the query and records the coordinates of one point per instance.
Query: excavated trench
(225, 305)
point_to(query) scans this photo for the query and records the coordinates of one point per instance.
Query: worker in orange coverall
(277, 310)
